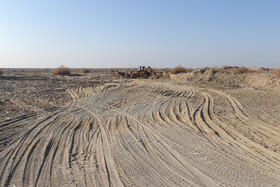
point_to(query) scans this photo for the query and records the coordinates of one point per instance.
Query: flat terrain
(100, 130)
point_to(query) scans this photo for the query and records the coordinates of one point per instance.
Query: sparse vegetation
(276, 72)
(1, 72)
(180, 69)
(62, 71)
(84, 70)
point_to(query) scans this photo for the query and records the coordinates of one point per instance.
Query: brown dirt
(196, 129)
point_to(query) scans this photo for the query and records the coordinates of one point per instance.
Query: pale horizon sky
(126, 33)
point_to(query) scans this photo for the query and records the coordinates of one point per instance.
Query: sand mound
(261, 79)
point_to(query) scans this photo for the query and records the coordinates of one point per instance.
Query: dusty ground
(97, 130)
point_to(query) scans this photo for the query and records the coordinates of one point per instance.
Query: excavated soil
(98, 130)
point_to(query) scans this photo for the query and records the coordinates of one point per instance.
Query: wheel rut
(141, 133)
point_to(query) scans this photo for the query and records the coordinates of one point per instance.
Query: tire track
(142, 133)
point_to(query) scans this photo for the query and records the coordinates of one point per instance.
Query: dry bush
(1, 72)
(62, 71)
(276, 72)
(84, 70)
(180, 69)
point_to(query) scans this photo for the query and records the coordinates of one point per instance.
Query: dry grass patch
(276, 72)
(180, 69)
(62, 71)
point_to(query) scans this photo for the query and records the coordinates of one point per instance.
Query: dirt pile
(260, 79)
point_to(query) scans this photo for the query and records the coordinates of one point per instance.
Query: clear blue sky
(128, 33)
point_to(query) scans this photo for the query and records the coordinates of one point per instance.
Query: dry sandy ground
(178, 132)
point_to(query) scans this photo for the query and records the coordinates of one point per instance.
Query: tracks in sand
(140, 134)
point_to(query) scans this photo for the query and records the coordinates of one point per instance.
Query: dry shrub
(62, 71)
(1, 72)
(180, 69)
(276, 72)
(84, 70)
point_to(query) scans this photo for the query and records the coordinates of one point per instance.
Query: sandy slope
(142, 133)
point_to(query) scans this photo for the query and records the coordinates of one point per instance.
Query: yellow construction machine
(143, 72)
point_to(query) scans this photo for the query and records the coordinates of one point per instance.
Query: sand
(123, 132)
